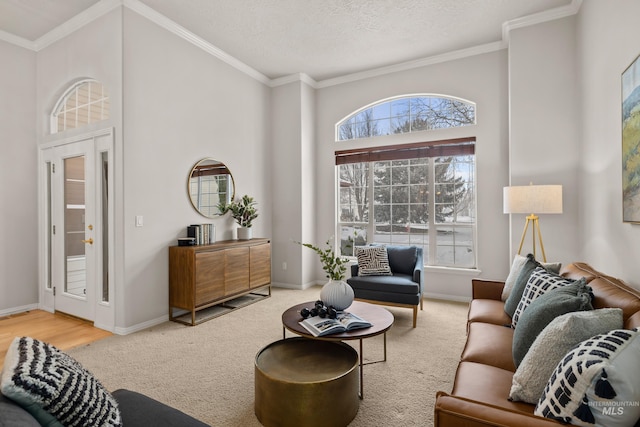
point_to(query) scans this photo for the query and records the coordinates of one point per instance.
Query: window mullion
(371, 228)
(431, 203)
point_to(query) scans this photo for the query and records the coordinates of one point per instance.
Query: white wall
(18, 179)
(180, 105)
(608, 34)
(481, 79)
(544, 122)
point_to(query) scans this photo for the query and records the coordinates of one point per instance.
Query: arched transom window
(409, 113)
(85, 102)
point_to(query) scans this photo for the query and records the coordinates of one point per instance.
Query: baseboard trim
(16, 310)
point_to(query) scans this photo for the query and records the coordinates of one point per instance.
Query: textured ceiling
(322, 38)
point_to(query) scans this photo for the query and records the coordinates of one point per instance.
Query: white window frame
(91, 105)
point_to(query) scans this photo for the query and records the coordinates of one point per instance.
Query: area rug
(207, 370)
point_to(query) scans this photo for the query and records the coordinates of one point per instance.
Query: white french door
(76, 218)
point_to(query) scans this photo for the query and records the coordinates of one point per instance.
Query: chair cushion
(372, 261)
(398, 283)
(402, 259)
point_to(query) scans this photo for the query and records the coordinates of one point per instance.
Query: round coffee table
(380, 318)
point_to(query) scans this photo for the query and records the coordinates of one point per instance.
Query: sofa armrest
(457, 411)
(139, 410)
(418, 273)
(486, 289)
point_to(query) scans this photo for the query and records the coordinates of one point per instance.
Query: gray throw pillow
(561, 335)
(518, 263)
(512, 301)
(543, 309)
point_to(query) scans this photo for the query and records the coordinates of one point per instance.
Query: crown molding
(187, 35)
(298, 77)
(538, 18)
(74, 24)
(18, 41)
(104, 6)
(404, 66)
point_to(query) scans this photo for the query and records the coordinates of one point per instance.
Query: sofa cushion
(54, 387)
(488, 311)
(539, 282)
(12, 414)
(565, 299)
(402, 259)
(487, 384)
(552, 344)
(140, 410)
(517, 265)
(372, 261)
(490, 345)
(596, 383)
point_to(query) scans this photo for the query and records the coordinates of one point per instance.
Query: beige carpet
(207, 370)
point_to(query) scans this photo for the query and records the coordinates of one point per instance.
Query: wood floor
(60, 330)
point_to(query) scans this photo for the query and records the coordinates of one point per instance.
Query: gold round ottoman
(305, 382)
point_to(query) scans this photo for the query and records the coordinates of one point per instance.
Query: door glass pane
(74, 233)
(49, 226)
(104, 213)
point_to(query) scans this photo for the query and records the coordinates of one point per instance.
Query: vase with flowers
(336, 293)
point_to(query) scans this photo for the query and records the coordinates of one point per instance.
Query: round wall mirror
(210, 184)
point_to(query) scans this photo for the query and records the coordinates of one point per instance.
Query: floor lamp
(533, 200)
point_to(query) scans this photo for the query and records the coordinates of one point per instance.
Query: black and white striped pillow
(597, 383)
(373, 261)
(54, 387)
(539, 282)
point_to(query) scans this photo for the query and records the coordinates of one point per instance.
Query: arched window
(408, 113)
(419, 192)
(85, 102)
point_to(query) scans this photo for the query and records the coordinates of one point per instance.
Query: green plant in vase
(244, 211)
(335, 293)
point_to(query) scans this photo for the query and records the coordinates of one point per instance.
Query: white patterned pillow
(54, 387)
(539, 282)
(597, 383)
(373, 261)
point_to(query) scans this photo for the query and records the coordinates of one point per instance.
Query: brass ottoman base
(304, 382)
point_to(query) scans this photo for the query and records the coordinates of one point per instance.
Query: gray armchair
(402, 289)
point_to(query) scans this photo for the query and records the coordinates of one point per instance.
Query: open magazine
(320, 326)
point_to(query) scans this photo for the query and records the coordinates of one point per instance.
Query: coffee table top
(379, 317)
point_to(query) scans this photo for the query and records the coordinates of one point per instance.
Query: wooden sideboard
(204, 276)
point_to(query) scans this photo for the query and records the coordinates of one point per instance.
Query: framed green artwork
(631, 143)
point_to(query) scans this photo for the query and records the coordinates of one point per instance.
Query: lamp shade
(533, 199)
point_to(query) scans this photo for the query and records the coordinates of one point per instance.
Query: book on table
(320, 326)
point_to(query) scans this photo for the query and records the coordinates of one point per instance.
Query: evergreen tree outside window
(413, 194)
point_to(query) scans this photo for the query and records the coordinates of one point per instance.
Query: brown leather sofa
(484, 375)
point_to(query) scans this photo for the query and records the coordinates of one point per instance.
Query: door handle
(89, 241)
